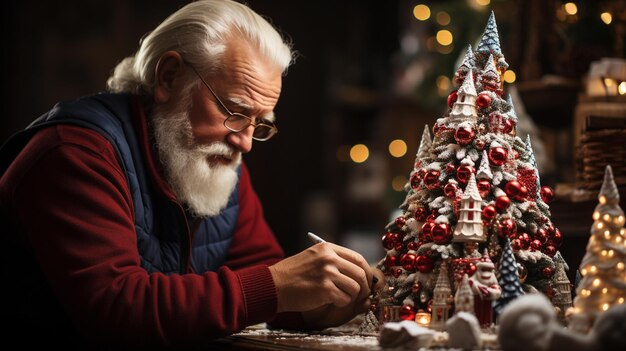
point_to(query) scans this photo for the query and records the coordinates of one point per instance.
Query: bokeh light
(444, 37)
(398, 182)
(509, 76)
(443, 18)
(606, 17)
(571, 8)
(421, 12)
(397, 148)
(359, 153)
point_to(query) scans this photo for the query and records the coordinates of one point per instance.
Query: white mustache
(217, 148)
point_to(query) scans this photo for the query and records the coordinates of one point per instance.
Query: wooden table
(260, 338)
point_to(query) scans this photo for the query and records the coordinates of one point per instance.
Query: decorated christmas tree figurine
(508, 279)
(603, 268)
(474, 186)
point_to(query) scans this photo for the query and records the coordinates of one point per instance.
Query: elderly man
(129, 218)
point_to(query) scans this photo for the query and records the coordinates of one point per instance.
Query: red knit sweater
(68, 200)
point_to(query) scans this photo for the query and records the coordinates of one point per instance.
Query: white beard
(205, 188)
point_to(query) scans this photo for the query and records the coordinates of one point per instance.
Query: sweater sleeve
(84, 240)
(255, 244)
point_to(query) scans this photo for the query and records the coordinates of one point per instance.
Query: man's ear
(168, 73)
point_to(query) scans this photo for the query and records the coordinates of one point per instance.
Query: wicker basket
(597, 149)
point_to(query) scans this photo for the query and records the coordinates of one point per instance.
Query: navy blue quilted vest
(163, 232)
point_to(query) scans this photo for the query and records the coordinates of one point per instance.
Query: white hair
(199, 32)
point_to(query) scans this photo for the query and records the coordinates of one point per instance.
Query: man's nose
(242, 140)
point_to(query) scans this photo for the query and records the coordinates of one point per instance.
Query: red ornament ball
(470, 269)
(542, 235)
(431, 180)
(391, 261)
(547, 194)
(507, 126)
(549, 292)
(535, 245)
(397, 272)
(550, 250)
(425, 235)
(390, 240)
(464, 173)
(399, 247)
(506, 227)
(497, 156)
(450, 190)
(502, 203)
(424, 264)
(450, 168)
(513, 188)
(452, 98)
(523, 194)
(464, 135)
(484, 186)
(437, 128)
(483, 100)
(480, 144)
(489, 212)
(420, 214)
(407, 261)
(556, 238)
(415, 180)
(417, 286)
(515, 154)
(412, 246)
(400, 221)
(407, 313)
(524, 244)
(441, 233)
(516, 245)
(547, 272)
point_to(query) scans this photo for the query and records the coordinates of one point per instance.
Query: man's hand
(329, 282)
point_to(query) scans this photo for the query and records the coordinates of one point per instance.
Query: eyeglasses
(236, 122)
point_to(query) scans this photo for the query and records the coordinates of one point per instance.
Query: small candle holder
(422, 318)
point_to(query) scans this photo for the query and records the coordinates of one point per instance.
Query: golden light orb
(600, 225)
(593, 269)
(605, 290)
(620, 300)
(606, 217)
(611, 253)
(397, 148)
(421, 12)
(605, 307)
(359, 153)
(509, 76)
(483, 2)
(606, 17)
(603, 252)
(596, 282)
(620, 265)
(570, 8)
(621, 88)
(596, 215)
(444, 37)
(602, 199)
